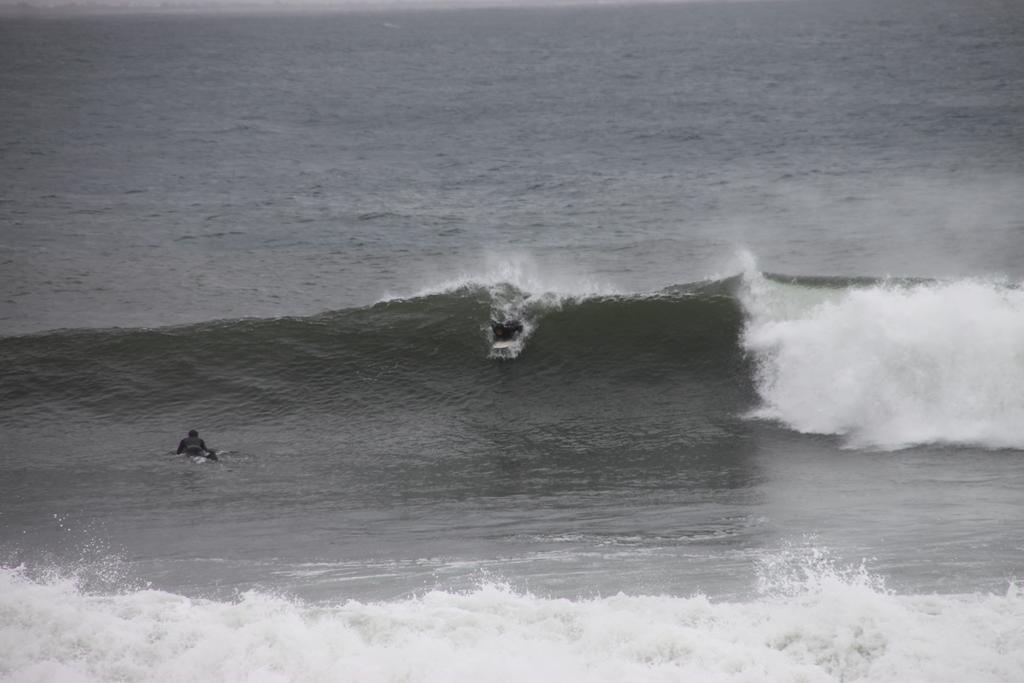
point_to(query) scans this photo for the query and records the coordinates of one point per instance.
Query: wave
(428, 349)
(880, 363)
(890, 364)
(816, 622)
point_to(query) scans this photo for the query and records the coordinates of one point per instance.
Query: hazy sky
(381, 4)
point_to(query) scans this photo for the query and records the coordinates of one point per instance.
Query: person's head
(193, 432)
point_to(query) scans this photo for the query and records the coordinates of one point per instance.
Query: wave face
(429, 352)
(890, 364)
(883, 364)
(815, 622)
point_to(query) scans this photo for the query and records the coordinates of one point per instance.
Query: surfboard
(505, 344)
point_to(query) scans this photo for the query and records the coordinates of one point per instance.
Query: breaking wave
(815, 621)
(881, 363)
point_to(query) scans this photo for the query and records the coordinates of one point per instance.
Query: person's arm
(181, 446)
(202, 444)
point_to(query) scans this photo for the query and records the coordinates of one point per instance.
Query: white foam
(891, 366)
(522, 272)
(829, 625)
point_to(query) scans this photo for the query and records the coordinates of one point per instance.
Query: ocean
(764, 421)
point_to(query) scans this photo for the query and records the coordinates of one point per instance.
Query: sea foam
(518, 274)
(824, 625)
(891, 366)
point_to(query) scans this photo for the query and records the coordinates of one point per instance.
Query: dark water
(768, 258)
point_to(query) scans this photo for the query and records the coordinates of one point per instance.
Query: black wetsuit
(193, 445)
(506, 330)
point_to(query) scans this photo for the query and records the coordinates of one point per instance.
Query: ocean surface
(765, 421)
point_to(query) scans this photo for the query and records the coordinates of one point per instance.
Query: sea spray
(832, 625)
(519, 273)
(891, 365)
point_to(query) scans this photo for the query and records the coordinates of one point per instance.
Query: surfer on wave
(506, 330)
(193, 445)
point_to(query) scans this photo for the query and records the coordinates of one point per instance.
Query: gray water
(171, 169)
(180, 170)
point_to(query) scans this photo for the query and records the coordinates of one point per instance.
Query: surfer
(507, 330)
(193, 445)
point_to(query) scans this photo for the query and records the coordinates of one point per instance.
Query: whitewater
(892, 365)
(815, 623)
